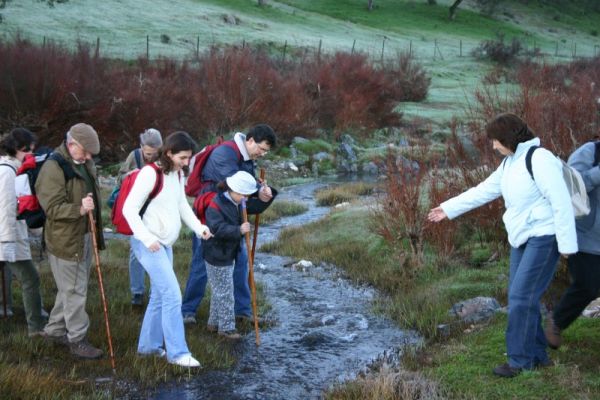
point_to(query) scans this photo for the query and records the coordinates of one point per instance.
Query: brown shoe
(506, 371)
(552, 333)
(231, 335)
(84, 349)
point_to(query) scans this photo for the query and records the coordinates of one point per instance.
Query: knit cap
(86, 136)
(242, 182)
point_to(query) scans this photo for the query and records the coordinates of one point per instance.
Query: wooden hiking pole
(102, 296)
(251, 274)
(256, 220)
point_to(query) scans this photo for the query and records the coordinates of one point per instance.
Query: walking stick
(102, 296)
(2, 264)
(256, 220)
(251, 274)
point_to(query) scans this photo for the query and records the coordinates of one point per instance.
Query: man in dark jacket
(584, 266)
(222, 163)
(67, 191)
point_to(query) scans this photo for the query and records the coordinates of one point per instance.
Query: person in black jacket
(224, 218)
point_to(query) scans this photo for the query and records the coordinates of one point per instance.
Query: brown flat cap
(86, 136)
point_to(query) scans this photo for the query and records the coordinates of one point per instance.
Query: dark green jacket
(60, 199)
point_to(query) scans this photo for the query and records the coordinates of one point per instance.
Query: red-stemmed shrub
(49, 88)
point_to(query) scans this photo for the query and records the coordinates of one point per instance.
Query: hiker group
(150, 204)
(542, 196)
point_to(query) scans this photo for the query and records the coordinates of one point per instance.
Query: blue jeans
(196, 283)
(136, 275)
(532, 267)
(162, 321)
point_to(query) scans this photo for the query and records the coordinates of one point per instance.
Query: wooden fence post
(382, 49)
(319, 51)
(353, 44)
(460, 49)
(284, 49)
(147, 47)
(97, 52)
(198, 47)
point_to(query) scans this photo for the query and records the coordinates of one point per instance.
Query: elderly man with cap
(150, 143)
(67, 191)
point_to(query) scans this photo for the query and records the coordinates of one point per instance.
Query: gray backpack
(574, 182)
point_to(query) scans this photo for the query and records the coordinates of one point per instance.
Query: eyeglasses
(263, 150)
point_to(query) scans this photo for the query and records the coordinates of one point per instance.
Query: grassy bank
(458, 363)
(34, 368)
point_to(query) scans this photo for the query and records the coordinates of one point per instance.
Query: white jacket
(162, 220)
(533, 208)
(11, 229)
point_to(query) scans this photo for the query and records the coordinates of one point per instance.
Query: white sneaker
(186, 361)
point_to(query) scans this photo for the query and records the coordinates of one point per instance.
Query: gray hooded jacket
(588, 227)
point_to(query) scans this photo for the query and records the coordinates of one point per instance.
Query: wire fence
(153, 47)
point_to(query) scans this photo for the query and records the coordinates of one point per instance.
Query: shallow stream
(325, 332)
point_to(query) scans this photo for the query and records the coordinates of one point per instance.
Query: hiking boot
(84, 349)
(506, 371)
(552, 333)
(137, 300)
(186, 361)
(61, 340)
(231, 335)
(189, 319)
(212, 328)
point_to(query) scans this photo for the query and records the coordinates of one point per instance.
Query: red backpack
(194, 184)
(117, 217)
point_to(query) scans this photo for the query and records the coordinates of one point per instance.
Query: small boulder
(475, 310)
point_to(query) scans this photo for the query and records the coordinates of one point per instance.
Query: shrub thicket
(561, 103)
(499, 51)
(49, 88)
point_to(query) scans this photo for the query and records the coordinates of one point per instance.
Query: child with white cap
(224, 218)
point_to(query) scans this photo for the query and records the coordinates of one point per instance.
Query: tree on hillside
(453, 8)
(262, 2)
(370, 5)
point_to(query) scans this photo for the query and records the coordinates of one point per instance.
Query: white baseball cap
(242, 182)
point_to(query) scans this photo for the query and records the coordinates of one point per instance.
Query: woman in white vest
(15, 254)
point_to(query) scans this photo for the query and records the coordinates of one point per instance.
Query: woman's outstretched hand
(436, 215)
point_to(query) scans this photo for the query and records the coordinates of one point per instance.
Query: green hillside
(181, 28)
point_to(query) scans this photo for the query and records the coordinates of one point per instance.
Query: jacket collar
(10, 161)
(240, 139)
(524, 146)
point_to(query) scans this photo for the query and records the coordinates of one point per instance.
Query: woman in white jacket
(15, 253)
(540, 224)
(153, 235)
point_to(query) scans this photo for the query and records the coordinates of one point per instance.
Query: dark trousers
(585, 283)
